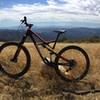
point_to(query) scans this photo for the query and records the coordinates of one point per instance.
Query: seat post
(56, 40)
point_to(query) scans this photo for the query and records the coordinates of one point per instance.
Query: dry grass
(42, 83)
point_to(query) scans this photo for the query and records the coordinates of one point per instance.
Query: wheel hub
(72, 63)
(14, 60)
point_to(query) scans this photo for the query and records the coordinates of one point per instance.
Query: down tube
(33, 40)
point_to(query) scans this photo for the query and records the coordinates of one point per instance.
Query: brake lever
(24, 20)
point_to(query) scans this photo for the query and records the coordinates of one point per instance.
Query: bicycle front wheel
(18, 68)
(72, 63)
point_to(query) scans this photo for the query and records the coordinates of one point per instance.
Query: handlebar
(24, 21)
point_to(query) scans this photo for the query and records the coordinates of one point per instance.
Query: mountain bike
(71, 63)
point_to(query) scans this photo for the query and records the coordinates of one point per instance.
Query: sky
(74, 13)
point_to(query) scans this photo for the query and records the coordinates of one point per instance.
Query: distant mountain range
(48, 34)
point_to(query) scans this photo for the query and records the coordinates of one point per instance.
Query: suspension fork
(14, 59)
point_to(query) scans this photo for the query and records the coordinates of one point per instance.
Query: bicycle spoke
(10, 66)
(77, 63)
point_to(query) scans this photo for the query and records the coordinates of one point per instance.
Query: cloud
(91, 7)
(55, 10)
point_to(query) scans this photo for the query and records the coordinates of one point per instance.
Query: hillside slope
(42, 83)
(47, 33)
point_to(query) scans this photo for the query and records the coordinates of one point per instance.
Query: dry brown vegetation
(42, 83)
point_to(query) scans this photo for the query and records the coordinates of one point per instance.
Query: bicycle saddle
(60, 31)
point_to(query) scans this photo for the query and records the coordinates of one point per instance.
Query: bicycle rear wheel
(14, 69)
(72, 63)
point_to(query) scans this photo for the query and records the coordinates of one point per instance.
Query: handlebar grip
(25, 22)
(25, 19)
